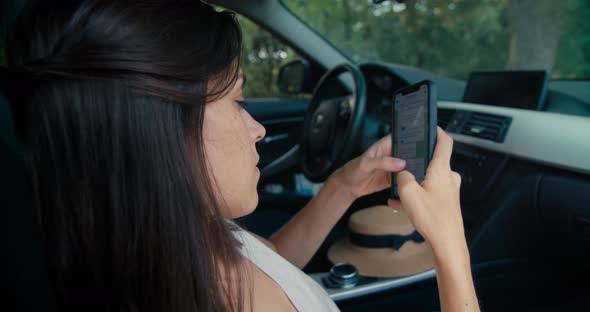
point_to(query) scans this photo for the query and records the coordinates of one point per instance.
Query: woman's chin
(252, 204)
(244, 208)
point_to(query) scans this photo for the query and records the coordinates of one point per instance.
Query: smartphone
(413, 129)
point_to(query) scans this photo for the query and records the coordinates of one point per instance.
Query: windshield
(455, 37)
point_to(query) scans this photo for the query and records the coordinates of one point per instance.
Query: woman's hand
(433, 206)
(300, 238)
(370, 172)
(434, 209)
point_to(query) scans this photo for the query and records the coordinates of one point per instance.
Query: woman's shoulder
(241, 232)
(275, 278)
(265, 241)
(264, 292)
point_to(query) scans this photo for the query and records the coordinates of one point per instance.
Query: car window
(455, 37)
(262, 56)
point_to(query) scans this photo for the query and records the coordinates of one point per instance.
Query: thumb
(407, 186)
(386, 163)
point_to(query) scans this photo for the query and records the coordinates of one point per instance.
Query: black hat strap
(384, 241)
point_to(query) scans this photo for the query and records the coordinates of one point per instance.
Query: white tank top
(305, 294)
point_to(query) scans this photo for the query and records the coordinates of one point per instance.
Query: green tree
(455, 37)
(573, 55)
(262, 56)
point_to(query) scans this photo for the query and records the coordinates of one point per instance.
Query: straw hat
(383, 243)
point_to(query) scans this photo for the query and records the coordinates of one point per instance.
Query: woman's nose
(257, 130)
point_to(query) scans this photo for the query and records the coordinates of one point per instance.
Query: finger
(386, 163)
(407, 186)
(380, 148)
(456, 178)
(384, 145)
(391, 164)
(395, 204)
(443, 150)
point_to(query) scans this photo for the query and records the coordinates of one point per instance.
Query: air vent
(444, 117)
(486, 126)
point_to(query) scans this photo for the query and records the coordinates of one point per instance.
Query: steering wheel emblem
(317, 124)
(319, 119)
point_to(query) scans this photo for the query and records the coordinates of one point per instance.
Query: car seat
(24, 282)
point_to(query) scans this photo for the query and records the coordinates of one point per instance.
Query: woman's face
(230, 134)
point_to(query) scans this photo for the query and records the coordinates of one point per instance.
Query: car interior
(523, 156)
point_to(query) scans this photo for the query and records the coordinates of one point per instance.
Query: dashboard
(560, 96)
(487, 136)
(523, 171)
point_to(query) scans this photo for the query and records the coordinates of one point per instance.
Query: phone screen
(410, 130)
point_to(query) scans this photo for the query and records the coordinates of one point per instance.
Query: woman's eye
(241, 103)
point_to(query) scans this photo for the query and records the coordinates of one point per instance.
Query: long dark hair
(108, 98)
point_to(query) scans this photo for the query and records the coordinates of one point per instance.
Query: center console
(364, 285)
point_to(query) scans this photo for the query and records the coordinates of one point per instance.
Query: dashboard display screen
(515, 89)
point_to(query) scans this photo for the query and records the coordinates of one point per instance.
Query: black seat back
(23, 273)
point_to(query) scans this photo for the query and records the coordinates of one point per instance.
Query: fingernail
(399, 163)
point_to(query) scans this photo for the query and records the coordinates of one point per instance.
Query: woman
(138, 153)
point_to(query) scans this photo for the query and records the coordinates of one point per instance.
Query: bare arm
(455, 283)
(434, 208)
(299, 239)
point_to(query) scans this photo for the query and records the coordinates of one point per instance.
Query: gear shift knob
(342, 275)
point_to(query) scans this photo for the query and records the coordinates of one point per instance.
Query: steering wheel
(332, 125)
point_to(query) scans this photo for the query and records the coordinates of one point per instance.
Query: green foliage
(573, 59)
(262, 56)
(448, 37)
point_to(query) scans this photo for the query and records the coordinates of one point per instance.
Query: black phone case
(432, 124)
